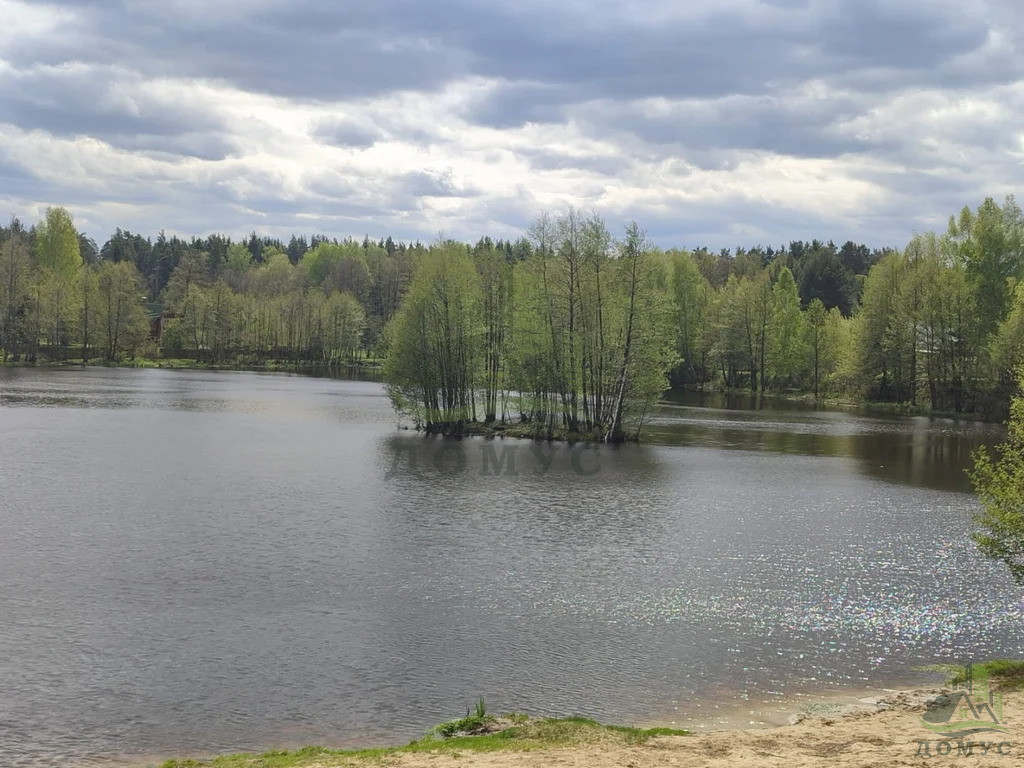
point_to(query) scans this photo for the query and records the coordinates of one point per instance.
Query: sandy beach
(874, 732)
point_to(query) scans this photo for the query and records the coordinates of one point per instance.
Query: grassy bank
(473, 734)
(857, 403)
(374, 366)
(1006, 674)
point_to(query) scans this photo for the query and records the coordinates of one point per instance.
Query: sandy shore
(875, 732)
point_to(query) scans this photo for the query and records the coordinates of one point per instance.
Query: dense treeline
(942, 323)
(939, 323)
(49, 297)
(315, 301)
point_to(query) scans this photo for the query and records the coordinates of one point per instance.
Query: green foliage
(999, 482)
(821, 348)
(576, 339)
(17, 303)
(1007, 674)
(481, 708)
(238, 259)
(880, 332)
(341, 267)
(57, 246)
(568, 332)
(237, 265)
(691, 295)
(468, 725)
(823, 275)
(433, 365)
(1008, 344)
(990, 243)
(122, 324)
(787, 353)
(258, 314)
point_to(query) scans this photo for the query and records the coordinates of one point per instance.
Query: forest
(568, 328)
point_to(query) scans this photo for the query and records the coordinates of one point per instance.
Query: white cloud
(27, 23)
(124, 146)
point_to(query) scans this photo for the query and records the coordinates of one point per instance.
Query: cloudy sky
(711, 122)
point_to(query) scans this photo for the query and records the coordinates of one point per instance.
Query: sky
(710, 122)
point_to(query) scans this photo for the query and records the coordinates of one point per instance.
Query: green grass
(1006, 674)
(526, 734)
(470, 725)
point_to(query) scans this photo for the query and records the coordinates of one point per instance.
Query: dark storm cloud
(422, 184)
(331, 185)
(69, 100)
(297, 49)
(408, 190)
(16, 180)
(515, 103)
(332, 50)
(792, 125)
(724, 52)
(109, 104)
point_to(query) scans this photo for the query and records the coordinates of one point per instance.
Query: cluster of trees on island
(565, 329)
(577, 338)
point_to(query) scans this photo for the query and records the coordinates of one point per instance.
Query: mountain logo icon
(972, 707)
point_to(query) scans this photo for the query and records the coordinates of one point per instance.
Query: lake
(196, 562)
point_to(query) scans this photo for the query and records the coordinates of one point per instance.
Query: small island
(575, 342)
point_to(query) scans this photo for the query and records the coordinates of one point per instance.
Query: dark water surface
(201, 562)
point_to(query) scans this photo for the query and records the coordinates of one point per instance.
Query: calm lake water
(195, 562)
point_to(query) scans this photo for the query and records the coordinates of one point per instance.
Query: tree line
(584, 321)
(938, 323)
(315, 301)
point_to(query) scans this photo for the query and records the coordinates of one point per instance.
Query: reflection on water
(922, 451)
(201, 562)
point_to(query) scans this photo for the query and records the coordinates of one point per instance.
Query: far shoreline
(372, 369)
